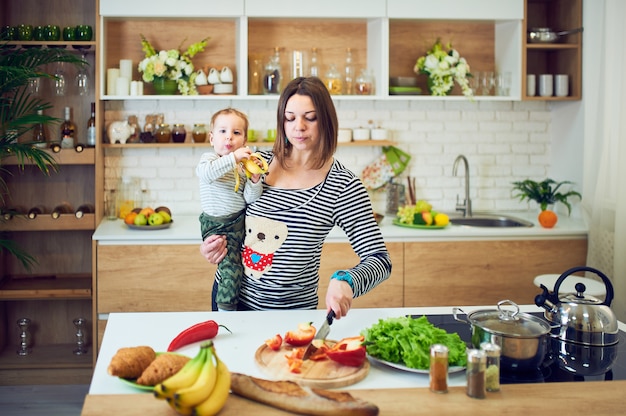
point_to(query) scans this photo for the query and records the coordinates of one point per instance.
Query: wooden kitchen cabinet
(561, 57)
(484, 272)
(58, 288)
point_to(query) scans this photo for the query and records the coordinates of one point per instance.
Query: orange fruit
(130, 218)
(547, 218)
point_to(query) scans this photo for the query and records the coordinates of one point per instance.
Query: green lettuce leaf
(407, 341)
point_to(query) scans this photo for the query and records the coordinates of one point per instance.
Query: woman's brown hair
(326, 114)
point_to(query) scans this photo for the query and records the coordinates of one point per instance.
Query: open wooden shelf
(64, 157)
(56, 356)
(45, 222)
(45, 287)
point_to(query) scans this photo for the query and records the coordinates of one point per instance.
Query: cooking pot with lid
(578, 318)
(523, 338)
(547, 35)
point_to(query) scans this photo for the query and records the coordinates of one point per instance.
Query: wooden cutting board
(326, 374)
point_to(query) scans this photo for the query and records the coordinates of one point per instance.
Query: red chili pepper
(303, 336)
(348, 351)
(275, 342)
(198, 332)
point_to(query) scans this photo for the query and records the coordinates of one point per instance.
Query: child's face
(228, 134)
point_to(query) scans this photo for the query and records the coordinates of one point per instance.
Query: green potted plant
(18, 116)
(545, 194)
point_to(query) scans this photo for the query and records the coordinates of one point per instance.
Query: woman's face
(228, 134)
(301, 123)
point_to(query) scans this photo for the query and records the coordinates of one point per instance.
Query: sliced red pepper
(303, 336)
(294, 359)
(320, 353)
(348, 351)
(198, 332)
(274, 343)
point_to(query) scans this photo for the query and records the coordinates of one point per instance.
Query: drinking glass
(503, 83)
(82, 79)
(487, 82)
(474, 81)
(60, 84)
(25, 340)
(34, 85)
(79, 324)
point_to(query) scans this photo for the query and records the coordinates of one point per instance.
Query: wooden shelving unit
(59, 286)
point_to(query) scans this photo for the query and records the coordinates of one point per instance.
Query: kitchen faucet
(466, 206)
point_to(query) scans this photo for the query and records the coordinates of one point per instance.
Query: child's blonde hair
(226, 111)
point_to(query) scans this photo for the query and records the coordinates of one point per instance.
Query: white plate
(451, 370)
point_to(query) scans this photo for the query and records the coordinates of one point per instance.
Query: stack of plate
(404, 86)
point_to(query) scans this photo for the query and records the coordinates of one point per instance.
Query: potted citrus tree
(545, 194)
(18, 116)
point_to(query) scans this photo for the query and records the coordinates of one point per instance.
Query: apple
(140, 220)
(155, 219)
(166, 216)
(147, 211)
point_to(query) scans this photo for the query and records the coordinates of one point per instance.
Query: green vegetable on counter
(407, 341)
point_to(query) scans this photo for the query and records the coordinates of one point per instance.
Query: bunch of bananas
(200, 388)
(253, 165)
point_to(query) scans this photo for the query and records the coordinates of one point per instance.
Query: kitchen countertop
(394, 391)
(186, 230)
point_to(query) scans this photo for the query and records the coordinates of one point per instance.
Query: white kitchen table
(249, 331)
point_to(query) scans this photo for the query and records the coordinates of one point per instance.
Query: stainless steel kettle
(578, 318)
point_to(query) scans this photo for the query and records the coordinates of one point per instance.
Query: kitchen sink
(490, 221)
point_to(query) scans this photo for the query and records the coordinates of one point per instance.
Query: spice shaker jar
(475, 373)
(438, 375)
(492, 369)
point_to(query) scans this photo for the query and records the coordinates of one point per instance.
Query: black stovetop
(553, 369)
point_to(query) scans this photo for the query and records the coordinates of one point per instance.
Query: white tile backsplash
(503, 142)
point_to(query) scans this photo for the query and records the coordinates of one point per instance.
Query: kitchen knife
(321, 334)
(324, 330)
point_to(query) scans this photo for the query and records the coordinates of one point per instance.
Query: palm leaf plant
(544, 193)
(18, 116)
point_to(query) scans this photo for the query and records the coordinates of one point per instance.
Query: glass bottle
(349, 74)
(179, 133)
(84, 209)
(40, 136)
(91, 127)
(68, 131)
(333, 81)
(273, 74)
(199, 133)
(314, 69)
(37, 210)
(63, 208)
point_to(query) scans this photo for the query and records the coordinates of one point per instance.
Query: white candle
(139, 88)
(112, 76)
(126, 68)
(133, 88)
(122, 86)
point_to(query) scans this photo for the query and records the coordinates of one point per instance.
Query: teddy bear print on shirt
(263, 237)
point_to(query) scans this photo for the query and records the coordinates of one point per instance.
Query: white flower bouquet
(444, 66)
(171, 64)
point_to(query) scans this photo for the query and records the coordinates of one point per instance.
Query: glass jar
(333, 81)
(475, 373)
(364, 84)
(179, 133)
(492, 370)
(199, 133)
(163, 133)
(438, 374)
(273, 74)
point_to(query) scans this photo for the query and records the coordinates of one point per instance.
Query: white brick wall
(503, 141)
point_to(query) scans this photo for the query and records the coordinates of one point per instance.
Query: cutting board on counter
(326, 374)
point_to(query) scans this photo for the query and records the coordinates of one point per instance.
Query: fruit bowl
(149, 227)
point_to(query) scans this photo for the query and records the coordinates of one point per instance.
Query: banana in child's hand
(253, 165)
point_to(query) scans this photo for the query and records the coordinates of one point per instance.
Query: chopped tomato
(348, 351)
(303, 336)
(275, 343)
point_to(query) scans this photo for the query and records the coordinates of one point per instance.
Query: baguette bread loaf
(292, 397)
